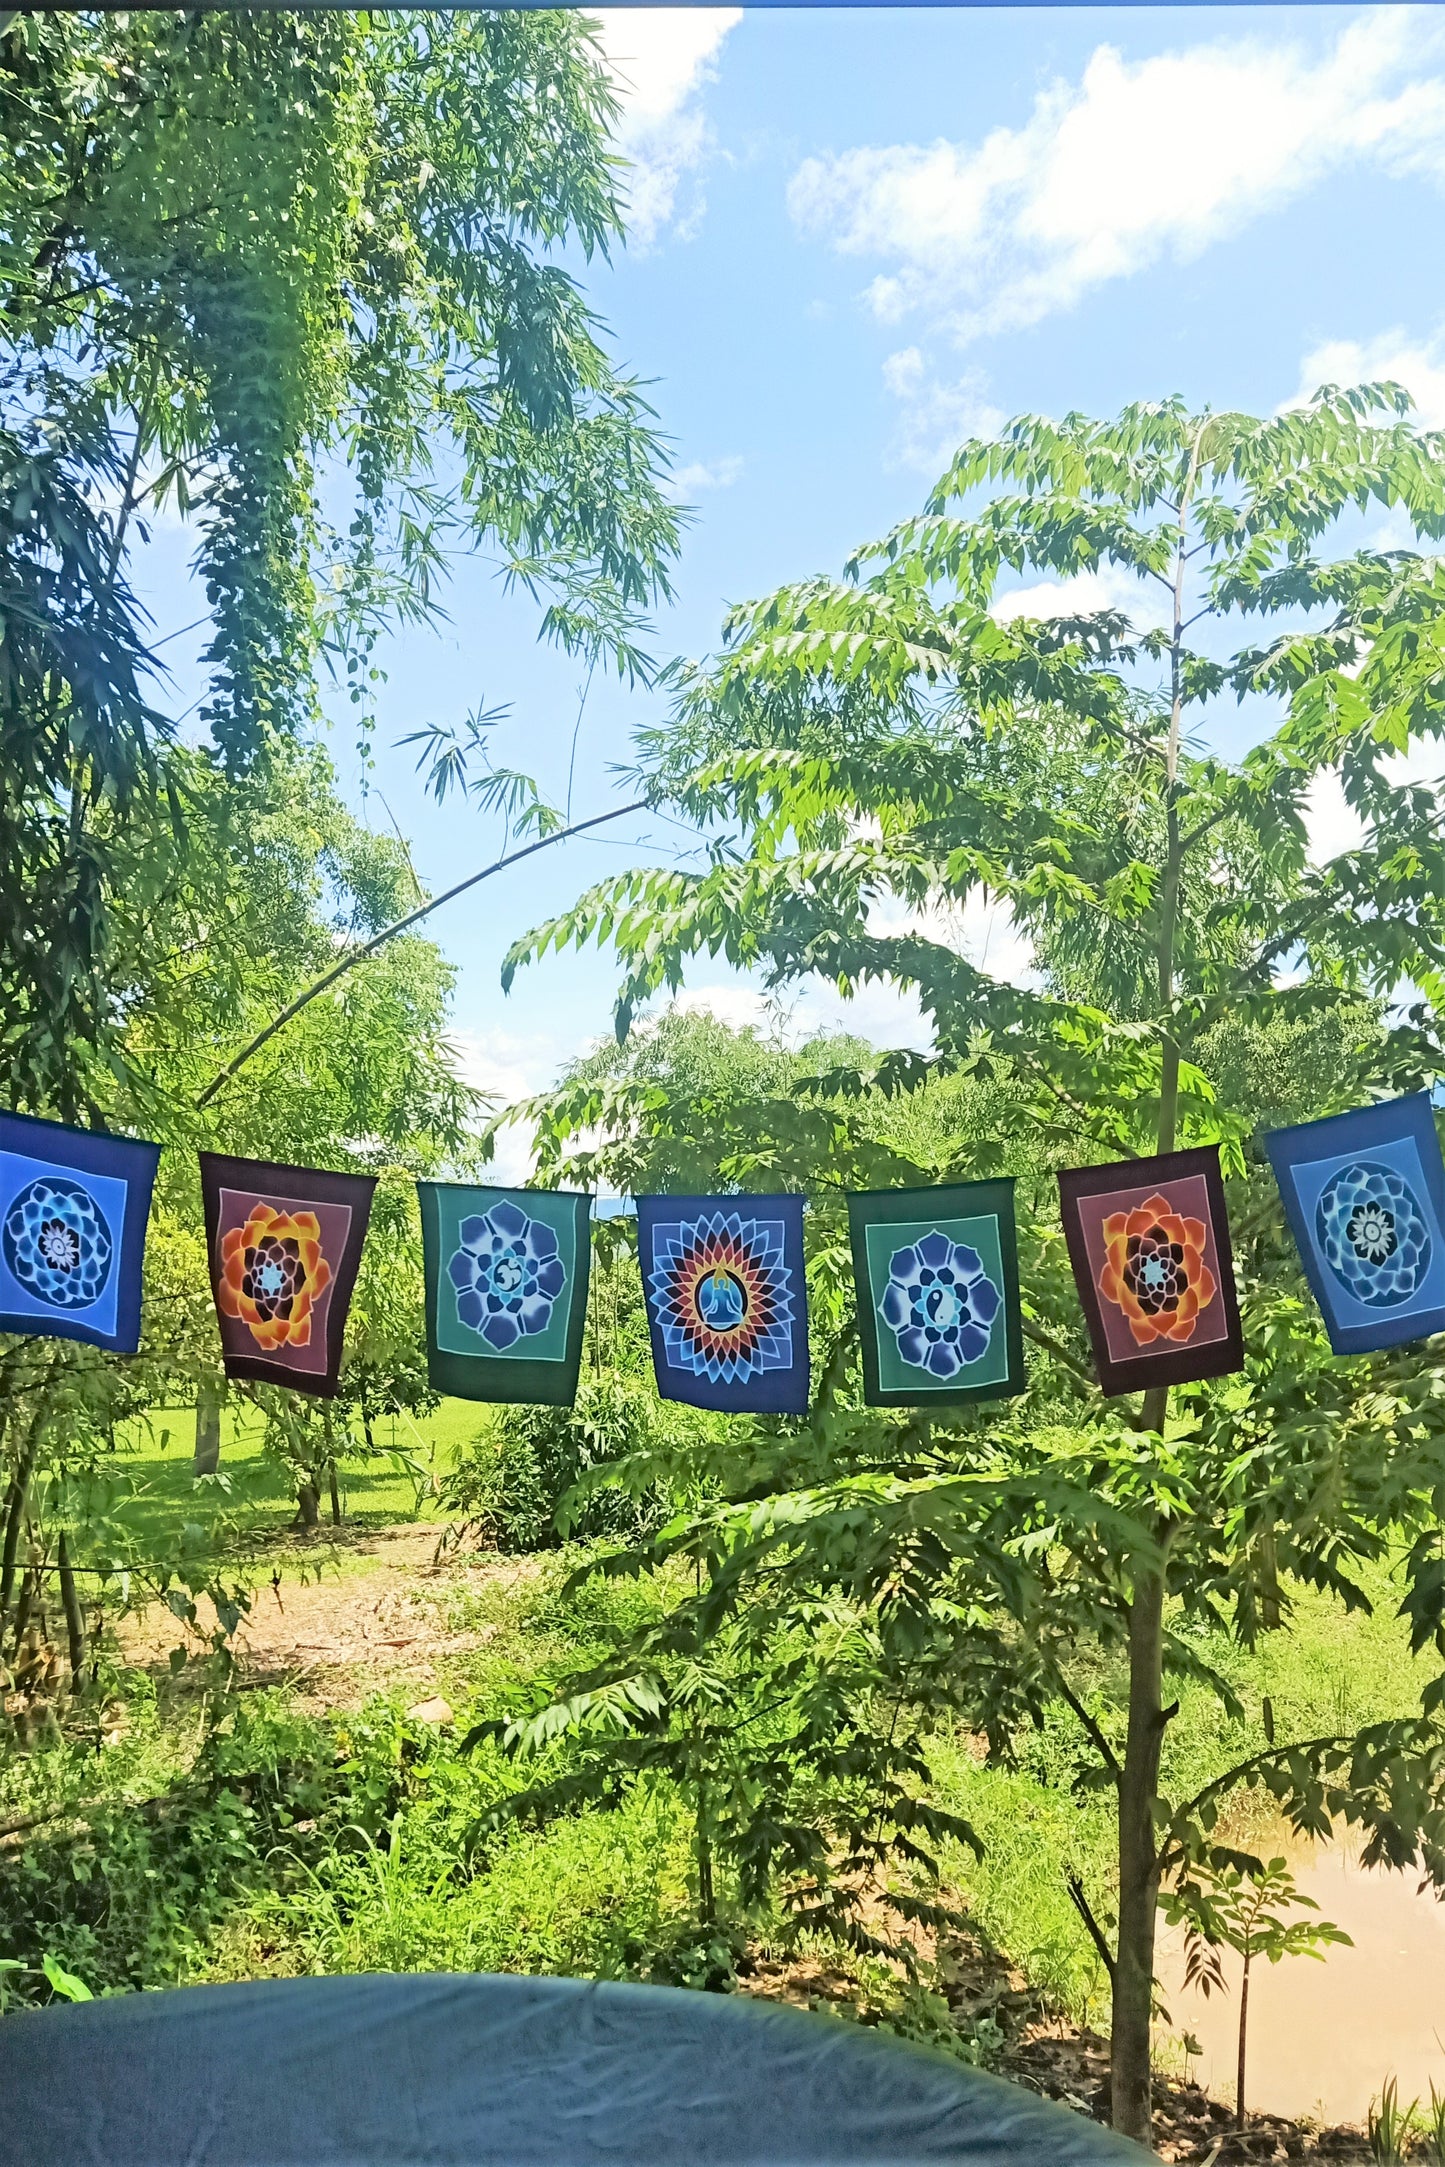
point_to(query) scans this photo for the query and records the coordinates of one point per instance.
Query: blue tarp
(486, 2072)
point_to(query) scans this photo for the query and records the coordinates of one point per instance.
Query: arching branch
(349, 961)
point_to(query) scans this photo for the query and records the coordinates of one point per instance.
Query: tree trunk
(209, 1397)
(706, 1898)
(308, 1504)
(335, 1493)
(29, 1597)
(74, 1622)
(15, 1506)
(1271, 1606)
(1243, 2024)
(1133, 1995)
(1133, 1998)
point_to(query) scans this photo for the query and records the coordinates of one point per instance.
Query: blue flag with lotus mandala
(73, 1213)
(506, 1291)
(938, 1294)
(1364, 1193)
(727, 1302)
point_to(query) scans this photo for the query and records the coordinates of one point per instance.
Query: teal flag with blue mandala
(1364, 1193)
(938, 1294)
(73, 1213)
(506, 1291)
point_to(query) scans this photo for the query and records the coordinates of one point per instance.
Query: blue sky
(860, 235)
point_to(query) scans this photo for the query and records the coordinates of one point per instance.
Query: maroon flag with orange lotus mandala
(284, 1245)
(1149, 1243)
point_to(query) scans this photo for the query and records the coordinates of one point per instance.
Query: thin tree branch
(1174, 1850)
(1060, 1354)
(1101, 1744)
(1095, 1932)
(1196, 835)
(388, 933)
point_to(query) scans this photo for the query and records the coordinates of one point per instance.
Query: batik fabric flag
(506, 1291)
(73, 1213)
(285, 1245)
(1364, 1193)
(727, 1302)
(938, 1294)
(1149, 1243)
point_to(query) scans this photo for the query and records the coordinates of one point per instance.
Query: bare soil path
(353, 1614)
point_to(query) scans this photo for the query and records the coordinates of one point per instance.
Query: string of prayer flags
(1364, 1194)
(73, 1212)
(506, 1291)
(727, 1301)
(284, 1245)
(1148, 1240)
(938, 1294)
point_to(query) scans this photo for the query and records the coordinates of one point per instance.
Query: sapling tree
(878, 756)
(1242, 1909)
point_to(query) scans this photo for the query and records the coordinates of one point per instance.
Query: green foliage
(673, 1103)
(293, 281)
(365, 1078)
(276, 276)
(289, 1842)
(801, 1784)
(81, 746)
(1435, 2123)
(275, 238)
(1239, 1908)
(1389, 2127)
(872, 756)
(519, 1478)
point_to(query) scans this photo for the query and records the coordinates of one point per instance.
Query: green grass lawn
(157, 1499)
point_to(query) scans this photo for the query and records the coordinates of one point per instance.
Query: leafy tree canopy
(875, 756)
(295, 277)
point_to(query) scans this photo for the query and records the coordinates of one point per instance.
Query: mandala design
(1373, 1233)
(507, 1274)
(57, 1243)
(1154, 1270)
(939, 1304)
(721, 1295)
(273, 1274)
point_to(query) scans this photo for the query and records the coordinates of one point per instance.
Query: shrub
(513, 1480)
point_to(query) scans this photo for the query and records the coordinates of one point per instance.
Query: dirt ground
(371, 1615)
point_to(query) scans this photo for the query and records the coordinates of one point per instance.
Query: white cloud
(740, 1007)
(982, 930)
(508, 1068)
(1135, 161)
(882, 1014)
(1332, 825)
(1417, 364)
(660, 59)
(1110, 587)
(936, 417)
(701, 474)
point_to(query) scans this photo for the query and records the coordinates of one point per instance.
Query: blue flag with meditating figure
(1364, 1193)
(506, 1291)
(73, 1213)
(727, 1302)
